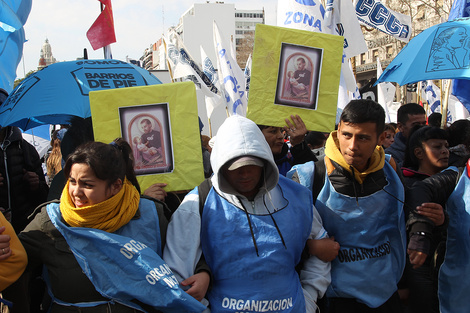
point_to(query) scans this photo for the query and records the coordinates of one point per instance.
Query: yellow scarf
(376, 161)
(108, 215)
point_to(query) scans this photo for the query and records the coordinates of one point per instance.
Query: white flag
(385, 93)
(248, 74)
(375, 14)
(183, 67)
(306, 15)
(341, 19)
(231, 77)
(215, 100)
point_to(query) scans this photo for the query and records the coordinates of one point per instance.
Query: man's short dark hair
(408, 109)
(146, 121)
(364, 111)
(435, 119)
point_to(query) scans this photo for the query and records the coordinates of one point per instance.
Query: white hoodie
(239, 136)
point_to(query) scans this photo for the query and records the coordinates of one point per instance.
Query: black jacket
(424, 235)
(18, 156)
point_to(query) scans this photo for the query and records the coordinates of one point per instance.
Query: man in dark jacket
(361, 204)
(408, 116)
(22, 182)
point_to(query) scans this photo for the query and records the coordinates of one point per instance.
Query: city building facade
(195, 28)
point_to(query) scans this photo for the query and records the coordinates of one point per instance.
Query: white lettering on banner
(241, 305)
(131, 248)
(163, 272)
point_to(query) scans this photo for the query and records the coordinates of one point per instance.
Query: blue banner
(125, 266)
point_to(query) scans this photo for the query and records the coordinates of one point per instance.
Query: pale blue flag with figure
(455, 270)
(461, 87)
(13, 15)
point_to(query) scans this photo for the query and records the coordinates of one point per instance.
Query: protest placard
(295, 72)
(160, 123)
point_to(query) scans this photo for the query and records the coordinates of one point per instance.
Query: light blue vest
(244, 281)
(126, 264)
(454, 275)
(371, 233)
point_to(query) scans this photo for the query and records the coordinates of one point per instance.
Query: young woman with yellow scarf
(102, 244)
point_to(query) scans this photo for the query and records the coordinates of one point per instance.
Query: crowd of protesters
(287, 220)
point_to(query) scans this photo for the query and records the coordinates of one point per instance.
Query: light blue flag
(455, 271)
(13, 15)
(461, 87)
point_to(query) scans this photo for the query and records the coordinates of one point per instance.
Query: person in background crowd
(426, 155)
(459, 142)
(444, 259)
(299, 152)
(435, 119)
(408, 116)
(389, 139)
(251, 229)
(22, 181)
(54, 158)
(316, 142)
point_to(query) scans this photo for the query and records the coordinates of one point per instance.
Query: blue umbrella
(56, 93)
(439, 52)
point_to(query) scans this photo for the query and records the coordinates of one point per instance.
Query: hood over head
(238, 137)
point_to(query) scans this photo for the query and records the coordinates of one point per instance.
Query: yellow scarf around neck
(332, 151)
(108, 215)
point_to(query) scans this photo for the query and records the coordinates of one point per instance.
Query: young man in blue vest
(360, 200)
(252, 230)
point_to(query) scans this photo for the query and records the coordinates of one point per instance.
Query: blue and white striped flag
(231, 77)
(214, 100)
(183, 67)
(375, 14)
(248, 74)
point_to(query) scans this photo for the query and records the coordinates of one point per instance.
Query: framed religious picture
(298, 79)
(295, 72)
(147, 129)
(160, 123)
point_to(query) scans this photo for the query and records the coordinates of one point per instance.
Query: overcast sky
(138, 24)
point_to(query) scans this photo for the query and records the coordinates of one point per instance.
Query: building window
(363, 58)
(389, 52)
(375, 54)
(421, 15)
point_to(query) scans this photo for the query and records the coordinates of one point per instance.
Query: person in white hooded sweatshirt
(251, 232)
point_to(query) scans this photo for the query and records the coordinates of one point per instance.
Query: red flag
(101, 33)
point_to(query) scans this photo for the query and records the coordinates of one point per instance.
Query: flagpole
(445, 106)
(210, 127)
(101, 10)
